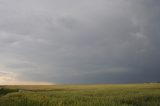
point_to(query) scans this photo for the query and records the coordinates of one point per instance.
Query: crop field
(81, 95)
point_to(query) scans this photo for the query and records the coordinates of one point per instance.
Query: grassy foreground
(81, 95)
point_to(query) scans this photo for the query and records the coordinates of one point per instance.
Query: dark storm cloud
(100, 41)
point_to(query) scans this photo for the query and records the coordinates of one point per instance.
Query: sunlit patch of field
(82, 95)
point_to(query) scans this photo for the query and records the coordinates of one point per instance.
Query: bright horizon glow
(7, 78)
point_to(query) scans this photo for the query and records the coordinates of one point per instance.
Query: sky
(79, 41)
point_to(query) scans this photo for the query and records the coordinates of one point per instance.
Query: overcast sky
(79, 41)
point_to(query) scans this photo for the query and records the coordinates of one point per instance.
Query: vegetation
(6, 91)
(82, 95)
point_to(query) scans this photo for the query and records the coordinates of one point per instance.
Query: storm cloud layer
(80, 41)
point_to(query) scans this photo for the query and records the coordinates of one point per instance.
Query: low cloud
(100, 41)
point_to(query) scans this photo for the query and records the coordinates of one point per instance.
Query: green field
(81, 95)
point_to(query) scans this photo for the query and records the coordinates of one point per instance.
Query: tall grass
(6, 91)
(84, 95)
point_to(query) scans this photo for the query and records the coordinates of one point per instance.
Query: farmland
(81, 95)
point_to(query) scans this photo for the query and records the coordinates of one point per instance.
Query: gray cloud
(100, 41)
